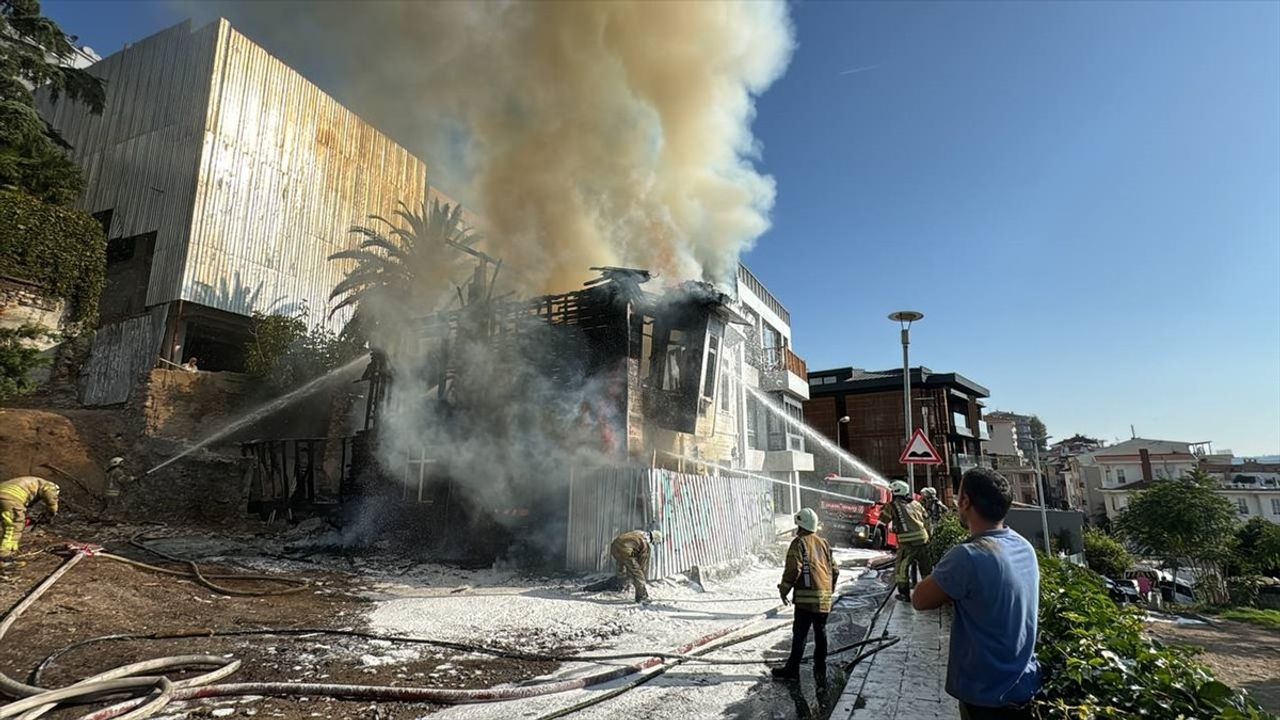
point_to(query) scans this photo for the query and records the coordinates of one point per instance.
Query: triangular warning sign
(920, 451)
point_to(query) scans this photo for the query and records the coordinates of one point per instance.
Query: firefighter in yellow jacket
(16, 496)
(810, 579)
(631, 553)
(911, 523)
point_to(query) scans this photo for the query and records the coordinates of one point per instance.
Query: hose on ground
(36, 700)
(38, 674)
(591, 702)
(206, 579)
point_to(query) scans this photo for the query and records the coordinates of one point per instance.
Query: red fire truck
(853, 512)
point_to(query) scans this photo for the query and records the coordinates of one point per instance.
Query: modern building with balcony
(773, 444)
(947, 405)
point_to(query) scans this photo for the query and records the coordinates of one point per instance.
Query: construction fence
(705, 519)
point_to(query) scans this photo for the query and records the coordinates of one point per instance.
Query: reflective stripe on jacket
(810, 574)
(909, 521)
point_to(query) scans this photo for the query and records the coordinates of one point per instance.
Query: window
(1242, 506)
(1275, 506)
(753, 424)
(1120, 475)
(728, 393)
(121, 249)
(709, 378)
(675, 365)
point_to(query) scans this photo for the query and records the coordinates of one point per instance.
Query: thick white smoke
(584, 133)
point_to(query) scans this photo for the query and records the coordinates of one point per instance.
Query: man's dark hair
(988, 493)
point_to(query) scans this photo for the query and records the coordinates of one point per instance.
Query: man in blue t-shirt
(993, 579)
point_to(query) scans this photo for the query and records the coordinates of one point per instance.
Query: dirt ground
(100, 597)
(1242, 655)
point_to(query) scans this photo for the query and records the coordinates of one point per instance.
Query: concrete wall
(21, 304)
(1026, 522)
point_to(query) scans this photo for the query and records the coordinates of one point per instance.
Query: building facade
(774, 378)
(1251, 484)
(947, 405)
(1134, 464)
(224, 180)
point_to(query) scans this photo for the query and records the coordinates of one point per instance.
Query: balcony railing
(784, 359)
(964, 461)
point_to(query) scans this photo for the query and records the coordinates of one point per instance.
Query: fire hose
(38, 700)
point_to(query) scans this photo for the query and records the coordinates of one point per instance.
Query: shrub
(1257, 548)
(18, 358)
(947, 533)
(285, 354)
(1105, 555)
(60, 249)
(1098, 662)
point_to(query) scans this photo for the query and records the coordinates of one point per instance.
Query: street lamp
(905, 318)
(840, 447)
(1044, 514)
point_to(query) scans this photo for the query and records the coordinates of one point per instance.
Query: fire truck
(853, 512)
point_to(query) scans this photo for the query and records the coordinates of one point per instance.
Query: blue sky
(1083, 198)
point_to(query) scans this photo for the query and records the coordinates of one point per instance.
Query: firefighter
(810, 577)
(910, 522)
(631, 551)
(16, 495)
(117, 479)
(933, 507)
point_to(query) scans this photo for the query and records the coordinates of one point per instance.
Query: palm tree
(407, 267)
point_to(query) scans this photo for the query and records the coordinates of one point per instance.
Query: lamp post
(904, 318)
(1044, 514)
(839, 446)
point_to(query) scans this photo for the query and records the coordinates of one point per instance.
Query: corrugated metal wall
(285, 171)
(705, 519)
(121, 351)
(140, 156)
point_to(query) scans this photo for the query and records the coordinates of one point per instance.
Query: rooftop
(857, 380)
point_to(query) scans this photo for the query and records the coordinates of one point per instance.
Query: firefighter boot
(904, 593)
(786, 673)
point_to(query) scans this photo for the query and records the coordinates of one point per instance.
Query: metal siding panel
(285, 192)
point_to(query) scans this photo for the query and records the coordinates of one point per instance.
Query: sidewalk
(907, 680)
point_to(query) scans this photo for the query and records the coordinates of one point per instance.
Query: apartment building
(948, 406)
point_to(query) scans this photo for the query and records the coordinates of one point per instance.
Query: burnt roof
(856, 380)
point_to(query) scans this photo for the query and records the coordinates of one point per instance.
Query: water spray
(263, 411)
(812, 434)
(745, 473)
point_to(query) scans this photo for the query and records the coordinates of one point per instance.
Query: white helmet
(929, 492)
(900, 488)
(655, 537)
(807, 519)
(115, 462)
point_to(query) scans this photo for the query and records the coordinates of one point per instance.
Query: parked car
(1122, 591)
(853, 512)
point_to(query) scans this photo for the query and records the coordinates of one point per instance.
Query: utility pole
(1044, 513)
(904, 318)
(928, 469)
(839, 446)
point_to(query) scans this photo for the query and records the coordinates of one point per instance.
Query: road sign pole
(906, 401)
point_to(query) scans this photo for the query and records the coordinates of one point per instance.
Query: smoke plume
(583, 133)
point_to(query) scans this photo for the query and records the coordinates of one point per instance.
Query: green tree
(18, 357)
(1039, 432)
(1185, 522)
(1257, 548)
(283, 352)
(34, 52)
(1105, 555)
(403, 267)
